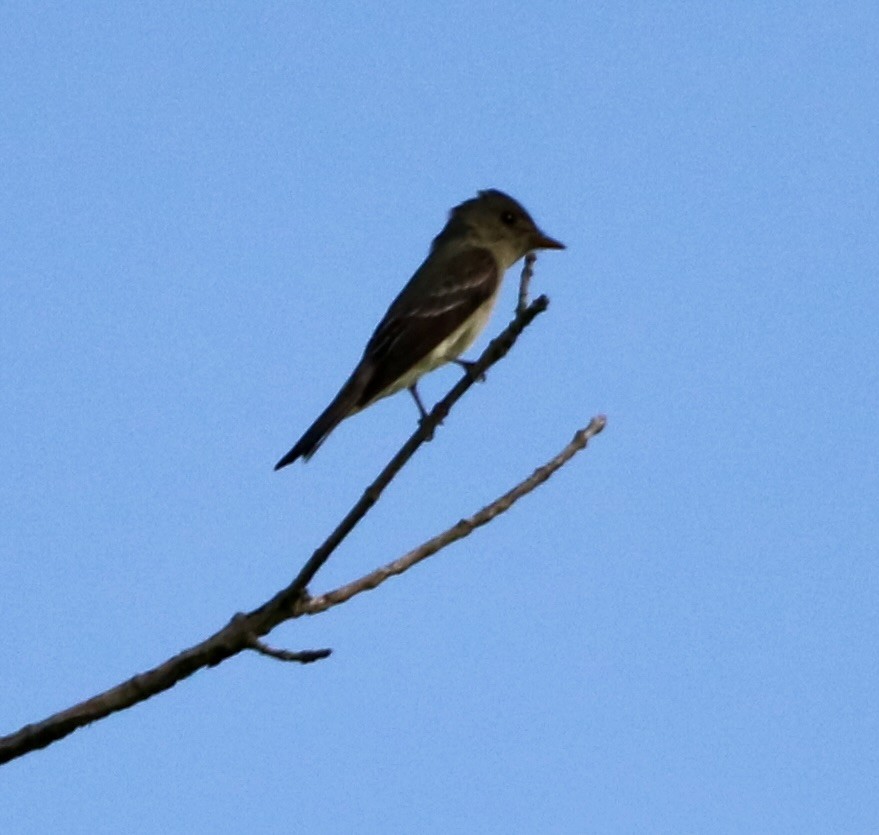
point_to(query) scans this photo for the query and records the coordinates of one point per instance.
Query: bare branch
(458, 531)
(244, 630)
(290, 600)
(226, 642)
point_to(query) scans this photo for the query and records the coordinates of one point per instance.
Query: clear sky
(206, 208)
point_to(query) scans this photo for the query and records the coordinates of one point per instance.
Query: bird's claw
(422, 422)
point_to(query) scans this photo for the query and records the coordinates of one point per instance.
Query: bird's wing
(423, 315)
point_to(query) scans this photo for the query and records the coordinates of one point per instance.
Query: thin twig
(458, 531)
(525, 281)
(304, 656)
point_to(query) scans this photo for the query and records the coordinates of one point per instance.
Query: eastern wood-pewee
(439, 312)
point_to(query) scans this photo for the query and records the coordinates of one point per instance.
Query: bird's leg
(468, 366)
(414, 392)
(417, 398)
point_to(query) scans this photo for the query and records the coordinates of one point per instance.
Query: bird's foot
(468, 366)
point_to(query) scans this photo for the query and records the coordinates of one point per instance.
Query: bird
(439, 313)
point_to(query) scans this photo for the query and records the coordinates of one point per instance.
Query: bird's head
(498, 222)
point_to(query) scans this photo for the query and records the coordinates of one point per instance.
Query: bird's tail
(343, 405)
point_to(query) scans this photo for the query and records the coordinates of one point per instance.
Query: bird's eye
(508, 218)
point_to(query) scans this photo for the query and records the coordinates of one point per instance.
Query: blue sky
(205, 212)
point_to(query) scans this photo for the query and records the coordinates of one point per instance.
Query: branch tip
(462, 528)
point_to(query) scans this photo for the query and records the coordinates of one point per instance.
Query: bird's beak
(541, 241)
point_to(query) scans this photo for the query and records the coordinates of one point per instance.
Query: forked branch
(243, 632)
(465, 527)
